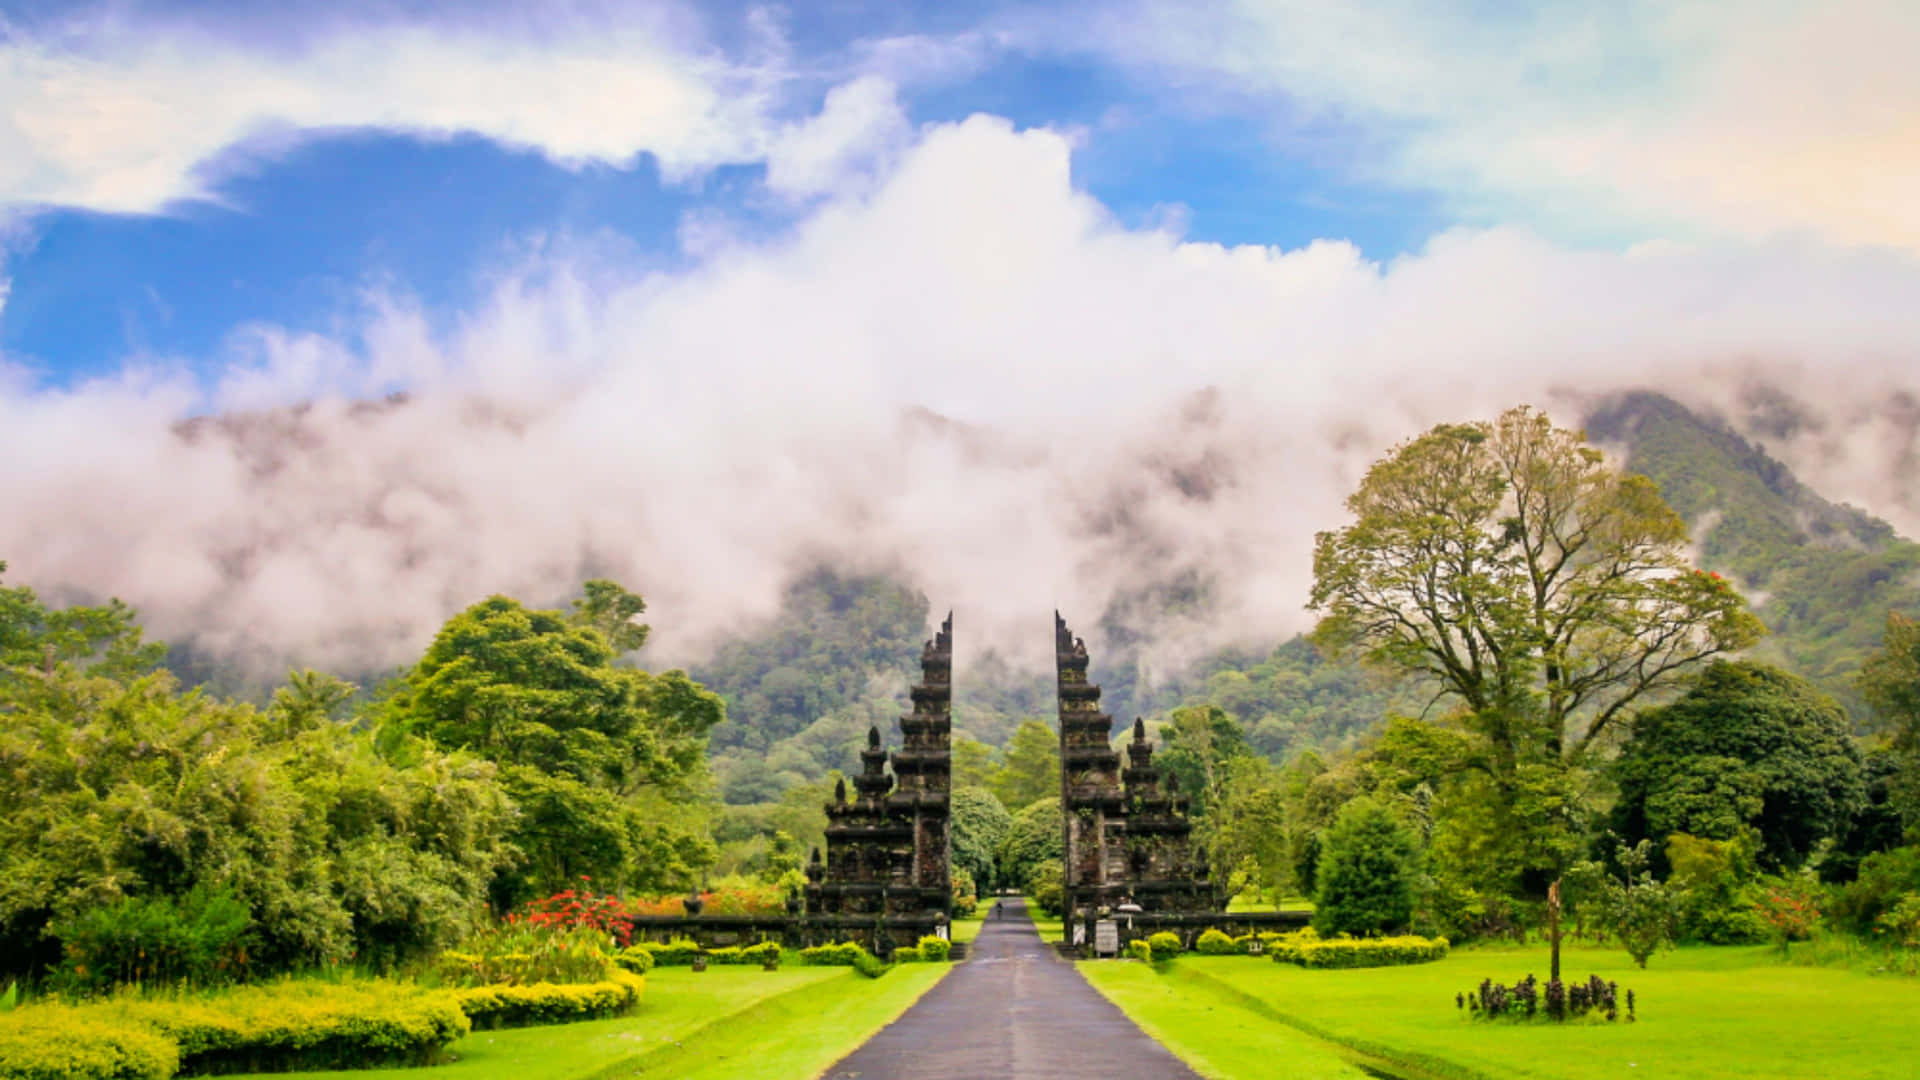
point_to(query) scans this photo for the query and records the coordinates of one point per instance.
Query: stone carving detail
(887, 879)
(1125, 840)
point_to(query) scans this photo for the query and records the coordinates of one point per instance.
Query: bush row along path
(1015, 1010)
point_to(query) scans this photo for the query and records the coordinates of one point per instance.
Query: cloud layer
(128, 116)
(969, 374)
(1643, 118)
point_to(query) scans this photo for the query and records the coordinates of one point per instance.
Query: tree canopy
(1511, 564)
(1747, 746)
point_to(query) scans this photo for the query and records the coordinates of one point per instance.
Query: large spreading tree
(1544, 588)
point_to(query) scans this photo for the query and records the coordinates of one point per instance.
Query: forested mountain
(802, 691)
(1821, 575)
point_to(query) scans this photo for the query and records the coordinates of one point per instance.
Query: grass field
(726, 1023)
(1704, 1012)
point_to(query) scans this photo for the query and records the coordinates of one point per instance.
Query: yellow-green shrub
(1360, 952)
(1165, 945)
(1138, 949)
(490, 1007)
(935, 948)
(59, 1042)
(1215, 943)
(290, 1026)
(844, 954)
(907, 954)
(676, 953)
(635, 959)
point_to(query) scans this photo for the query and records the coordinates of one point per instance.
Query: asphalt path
(1015, 1010)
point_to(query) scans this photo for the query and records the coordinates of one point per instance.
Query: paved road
(1012, 1010)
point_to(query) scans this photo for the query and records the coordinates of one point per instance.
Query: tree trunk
(1553, 929)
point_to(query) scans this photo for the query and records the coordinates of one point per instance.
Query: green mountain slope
(1822, 575)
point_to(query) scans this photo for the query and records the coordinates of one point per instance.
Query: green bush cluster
(522, 955)
(1359, 952)
(1216, 943)
(745, 954)
(908, 954)
(279, 1027)
(59, 1042)
(677, 953)
(844, 954)
(869, 965)
(1267, 939)
(490, 1007)
(1164, 945)
(200, 937)
(1138, 949)
(935, 949)
(634, 959)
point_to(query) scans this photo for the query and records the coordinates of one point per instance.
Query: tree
(1200, 743)
(1639, 910)
(36, 639)
(1890, 681)
(1247, 827)
(1032, 843)
(1032, 766)
(973, 764)
(602, 760)
(1369, 862)
(1746, 746)
(980, 824)
(1512, 565)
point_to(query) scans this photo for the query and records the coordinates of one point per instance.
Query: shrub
(1138, 949)
(634, 959)
(575, 909)
(966, 895)
(1360, 952)
(201, 937)
(1267, 939)
(1044, 885)
(1559, 1001)
(1368, 865)
(1900, 924)
(761, 953)
(908, 954)
(1164, 945)
(1215, 943)
(1886, 877)
(1790, 910)
(869, 965)
(522, 954)
(844, 954)
(302, 1025)
(936, 949)
(490, 1007)
(58, 1042)
(677, 953)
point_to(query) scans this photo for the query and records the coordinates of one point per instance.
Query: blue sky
(292, 233)
(695, 294)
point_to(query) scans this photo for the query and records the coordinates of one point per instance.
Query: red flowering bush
(1790, 910)
(573, 909)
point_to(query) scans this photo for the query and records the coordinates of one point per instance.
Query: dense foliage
(1369, 862)
(1747, 746)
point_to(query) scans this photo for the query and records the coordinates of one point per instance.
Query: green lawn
(1051, 929)
(968, 929)
(1244, 902)
(1221, 1040)
(1704, 1012)
(726, 1023)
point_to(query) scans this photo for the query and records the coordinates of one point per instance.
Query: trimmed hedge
(908, 954)
(61, 1042)
(634, 959)
(1138, 949)
(1360, 952)
(277, 1027)
(492, 1007)
(936, 949)
(677, 953)
(300, 1026)
(844, 954)
(744, 954)
(1216, 943)
(1165, 945)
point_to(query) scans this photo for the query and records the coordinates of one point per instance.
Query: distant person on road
(996, 909)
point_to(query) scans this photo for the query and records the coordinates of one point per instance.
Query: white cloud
(1750, 119)
(122, 117)
(973, 374)
(844, 147)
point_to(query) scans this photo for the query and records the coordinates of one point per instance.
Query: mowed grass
(1703, 1012)
(1216, 1036)
(725, 1023)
